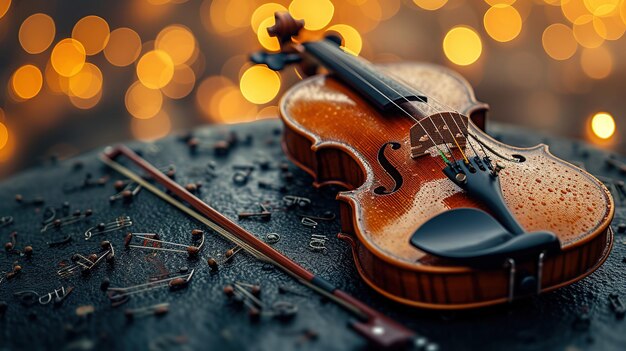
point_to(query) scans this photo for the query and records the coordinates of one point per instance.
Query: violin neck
(382, 91)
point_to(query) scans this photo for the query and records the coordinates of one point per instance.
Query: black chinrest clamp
(475, 238)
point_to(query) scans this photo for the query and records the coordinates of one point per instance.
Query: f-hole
(390, 169)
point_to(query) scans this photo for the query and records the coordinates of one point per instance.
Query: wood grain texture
(335, 136)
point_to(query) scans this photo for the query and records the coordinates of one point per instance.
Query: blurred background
(76, 75)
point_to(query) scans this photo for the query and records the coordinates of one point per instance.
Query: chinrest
(473, 237)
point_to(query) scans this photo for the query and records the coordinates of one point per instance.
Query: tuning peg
(275, 62)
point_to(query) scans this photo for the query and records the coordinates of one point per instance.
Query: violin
(438, 214)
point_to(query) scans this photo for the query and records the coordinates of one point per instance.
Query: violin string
(370, 66)
(396, 105)
(460, 130)
(402, 81)
(431, 120)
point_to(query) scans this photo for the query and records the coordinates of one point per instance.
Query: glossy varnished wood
(336, 136)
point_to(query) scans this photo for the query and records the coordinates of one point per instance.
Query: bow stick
(378, 329)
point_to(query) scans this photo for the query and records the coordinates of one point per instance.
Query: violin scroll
(285, 27)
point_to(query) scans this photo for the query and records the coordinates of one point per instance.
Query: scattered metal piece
(85, 310)
(87, 264)
(249, 294)
(242, 174)
(157, 243)
(88, 182)
(326, 216)
(101, 228)
(65, 221)
(59, 296)
(5, 221)
(230, 253)
(283, 310)
(292, 201)
(308, 222)
(60, 241)
(11, 246)
(36, 201)
(272, 238)
(264, 214)
(13, 273)
(127, 193)
(318, 242)
(159, 309)
(118, 296)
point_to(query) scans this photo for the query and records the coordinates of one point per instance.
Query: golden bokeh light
(603, 125)
(430, 5)
(181, 84)
(234, 108)
(316, 14)
(86, 83)
(597, 63)
(142, 102)
(502, 22)
(462, 45)
(93, 32)
(151, 129)
(226, 17)
(123, 48)
(27, 81)
(238, 12)
(4, 135)
(86, 104)
(207, 95)
(264, 12)
(573, 9)
(601, 7)
(4, 7)
(259, 84)
(610, 27)
(268, 112)
(37, 33)
(52, 79)
(365, 15)
(68, 57)
(235, 66)
(155, 69)
(352, 41)
(269, 43)
(586, 33)
(559, 42)
(177, 41)
(499, 2)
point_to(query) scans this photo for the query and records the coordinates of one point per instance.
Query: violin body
(335, 135)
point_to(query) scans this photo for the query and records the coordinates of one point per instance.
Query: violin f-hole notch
(438, 129)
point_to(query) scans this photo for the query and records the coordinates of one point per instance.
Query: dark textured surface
(201, 317)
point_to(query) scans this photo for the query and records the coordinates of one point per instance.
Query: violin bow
(378, 329)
